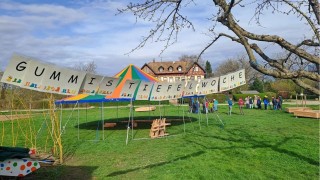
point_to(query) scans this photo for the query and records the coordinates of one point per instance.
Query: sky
(69, 32)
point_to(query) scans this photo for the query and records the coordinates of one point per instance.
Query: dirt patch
(13, 117)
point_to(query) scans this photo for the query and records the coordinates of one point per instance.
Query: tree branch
(300, 83)
(313, 27)
(315, 7)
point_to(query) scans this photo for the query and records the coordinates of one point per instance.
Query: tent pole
(207, 110)
(149, 111)
(164, 110)
(199, 117)
(117, 109)
(132, 118)
(128, 126)
(78, 121)
(86, 113)
(60, 116)
(184, 124)
(102, 116)
(160, 110)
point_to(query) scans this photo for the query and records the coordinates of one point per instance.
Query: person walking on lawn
(230, 103)
(215, 105)
(241, 103)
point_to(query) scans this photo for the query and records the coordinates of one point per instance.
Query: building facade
(174, 71)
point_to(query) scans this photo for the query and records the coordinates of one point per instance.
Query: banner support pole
(102, 114)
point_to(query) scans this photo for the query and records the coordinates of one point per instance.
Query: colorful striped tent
(128, 73)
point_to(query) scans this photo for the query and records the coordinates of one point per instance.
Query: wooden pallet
(158, 128)
(293, 109)
(308, 113)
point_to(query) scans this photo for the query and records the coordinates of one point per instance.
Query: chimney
(153, 60)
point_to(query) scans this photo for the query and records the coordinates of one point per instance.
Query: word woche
(33, 74)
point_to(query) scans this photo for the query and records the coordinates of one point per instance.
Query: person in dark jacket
(280, 103)
(259, 102)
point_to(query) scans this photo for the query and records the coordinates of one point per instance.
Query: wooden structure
(144, 109)
(293, 109)
(303, 101)
(158, 128)
(307, 113)
(303, 110)
(109, 125)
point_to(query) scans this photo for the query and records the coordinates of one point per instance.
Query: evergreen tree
(257, 85)
(208, 69)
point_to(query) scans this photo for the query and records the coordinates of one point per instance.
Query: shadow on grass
(117, 173)
(122, 123)
(61, 172)
(255, 144)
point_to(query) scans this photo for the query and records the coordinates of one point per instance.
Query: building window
(161, 69)
(147, 70)
(170, 79)
(198, 77)
(192, 77)
(177, 79)
(183, 79)
(170, 69)
(196, 68)
(165, 79)
(179, 68)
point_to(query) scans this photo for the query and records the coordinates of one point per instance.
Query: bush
(269, 94)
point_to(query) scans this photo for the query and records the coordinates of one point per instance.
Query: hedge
(220, 97)
(269, 94)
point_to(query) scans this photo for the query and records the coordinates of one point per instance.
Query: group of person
(250, 103)
(207, 105)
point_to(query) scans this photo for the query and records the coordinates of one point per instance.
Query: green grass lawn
(262, 144)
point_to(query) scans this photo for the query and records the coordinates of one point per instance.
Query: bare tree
(89, 67)
(169, 21)
(237, 63)
(193, 58)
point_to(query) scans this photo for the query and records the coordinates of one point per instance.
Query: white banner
(224, 83)
(129, 88)
(34, 75)
(208, 86)
(15, 70)
(91, 84)
(191, 88)
(144, 90)
(232, 80)
(107, 85)
(176, 91)
(62, 81)
(237, 79)
(160, 91)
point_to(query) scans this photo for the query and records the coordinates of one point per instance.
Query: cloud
(66, 33)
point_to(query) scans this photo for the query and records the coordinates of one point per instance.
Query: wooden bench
(308, 113)
(144, 109)
(293, 109)
(113, 124)
(109, 125)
